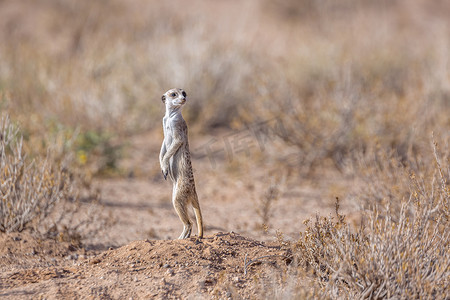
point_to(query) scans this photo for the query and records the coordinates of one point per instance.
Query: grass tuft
(29, 189)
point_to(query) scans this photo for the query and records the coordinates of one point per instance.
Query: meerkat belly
(175, 165)
(179, 165)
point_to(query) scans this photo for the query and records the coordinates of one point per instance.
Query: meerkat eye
(173, 94)
(184, 94)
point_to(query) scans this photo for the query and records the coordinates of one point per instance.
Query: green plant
(99, 151)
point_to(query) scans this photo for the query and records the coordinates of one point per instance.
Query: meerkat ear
(163, 98)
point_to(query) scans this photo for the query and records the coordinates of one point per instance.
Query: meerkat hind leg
(180, 205)
(186, 232)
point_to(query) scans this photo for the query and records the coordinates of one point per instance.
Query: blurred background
(281, 93)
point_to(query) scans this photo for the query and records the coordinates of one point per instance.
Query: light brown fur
(175, 160)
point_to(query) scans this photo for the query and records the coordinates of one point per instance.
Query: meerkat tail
(198, 217)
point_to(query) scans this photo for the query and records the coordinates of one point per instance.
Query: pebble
(170, 272)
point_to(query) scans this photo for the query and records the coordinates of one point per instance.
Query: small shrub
(29, 190)
(398, 254)
(267, 200)
(384, 180)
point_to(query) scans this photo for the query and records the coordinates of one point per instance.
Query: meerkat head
(174, 98)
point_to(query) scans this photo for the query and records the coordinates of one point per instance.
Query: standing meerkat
(175, 160)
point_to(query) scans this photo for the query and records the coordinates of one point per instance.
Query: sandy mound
(220, 265)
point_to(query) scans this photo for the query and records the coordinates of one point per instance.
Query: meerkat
(175, 160)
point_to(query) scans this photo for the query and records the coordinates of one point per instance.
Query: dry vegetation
(397, 253)
(29, 189)
(359, 89)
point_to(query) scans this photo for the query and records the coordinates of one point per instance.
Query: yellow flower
(82, 157)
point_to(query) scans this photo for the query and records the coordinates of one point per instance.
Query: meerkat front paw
(165, 170)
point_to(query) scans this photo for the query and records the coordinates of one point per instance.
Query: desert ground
(133, 251)
(319, 133)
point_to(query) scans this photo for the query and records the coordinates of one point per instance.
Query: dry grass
(402, 254)
(344, 87)
(42, 193)
(29, 189)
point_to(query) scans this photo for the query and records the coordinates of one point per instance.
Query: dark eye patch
(173, 94)
(184, 94)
